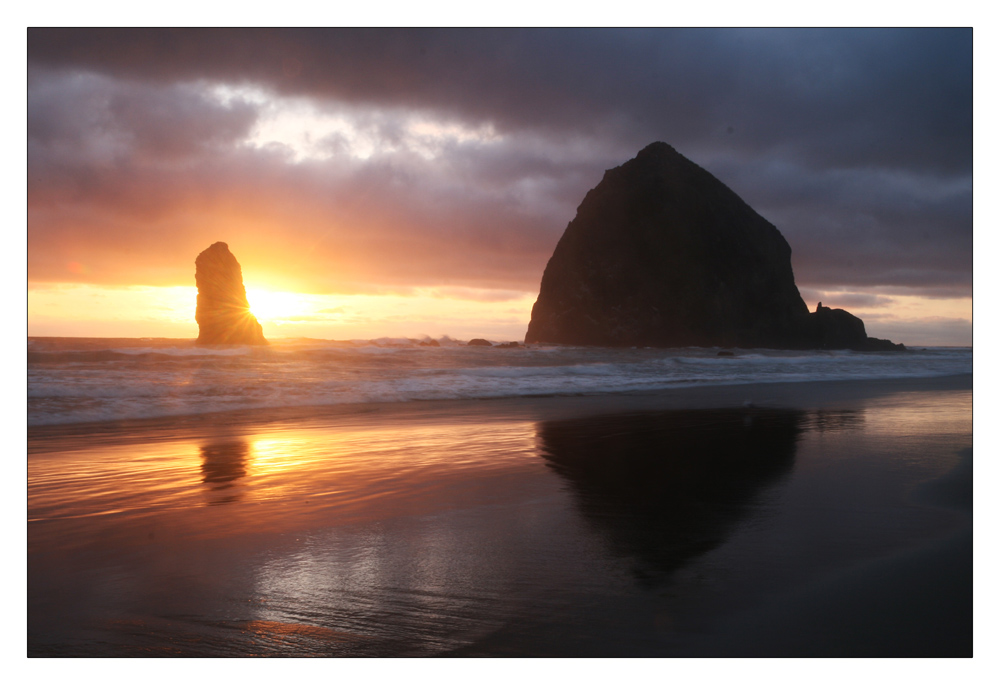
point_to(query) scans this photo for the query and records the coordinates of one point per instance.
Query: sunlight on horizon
(271, 305)
(84, 310)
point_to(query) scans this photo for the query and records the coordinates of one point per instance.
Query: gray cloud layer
(857, 144)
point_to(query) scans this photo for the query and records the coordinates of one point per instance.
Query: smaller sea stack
(223, 313)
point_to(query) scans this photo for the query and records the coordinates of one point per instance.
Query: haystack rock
(223, 313)
(663, 254)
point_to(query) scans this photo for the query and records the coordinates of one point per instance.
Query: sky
(409, 183)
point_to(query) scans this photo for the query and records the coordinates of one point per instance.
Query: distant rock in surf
(661, 253)
(223, 313)
(479, 342)
(838, 329)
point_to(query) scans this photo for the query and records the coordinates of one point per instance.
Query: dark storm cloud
(865, 226)
(881, 96)
(169, 121)
(855, 143)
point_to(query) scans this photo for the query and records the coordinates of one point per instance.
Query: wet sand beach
(786, 519)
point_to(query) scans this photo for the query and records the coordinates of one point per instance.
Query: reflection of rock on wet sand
(666, 487)
(835, 420)
(222, 464)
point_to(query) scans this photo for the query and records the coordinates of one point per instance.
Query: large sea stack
(663, 254)
(223, 313)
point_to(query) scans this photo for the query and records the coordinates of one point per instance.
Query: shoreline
(791, 394)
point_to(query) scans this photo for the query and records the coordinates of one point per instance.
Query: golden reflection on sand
(112, 479)
(273, 455)
(356, 460)
(265, 479)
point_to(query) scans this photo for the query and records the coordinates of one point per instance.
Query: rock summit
(223, 313)
(663, 254)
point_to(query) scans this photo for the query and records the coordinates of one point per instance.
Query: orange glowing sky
(411, 183)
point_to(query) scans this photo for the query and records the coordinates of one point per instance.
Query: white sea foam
(86, 380)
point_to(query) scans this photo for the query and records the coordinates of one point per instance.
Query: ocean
(78, 380)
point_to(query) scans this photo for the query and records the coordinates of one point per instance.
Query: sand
(799, 519)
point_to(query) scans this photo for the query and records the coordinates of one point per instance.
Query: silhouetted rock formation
(223, 313)
(837, 329)
(479, 342)
(663, 254)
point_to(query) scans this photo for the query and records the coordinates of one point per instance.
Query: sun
(275, 305)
